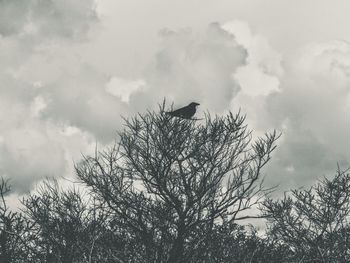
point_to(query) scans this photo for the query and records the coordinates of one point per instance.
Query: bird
(186, 112)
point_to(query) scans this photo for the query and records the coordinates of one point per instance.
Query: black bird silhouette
(185, 112)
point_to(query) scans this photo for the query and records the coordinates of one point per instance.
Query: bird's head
(194, 104)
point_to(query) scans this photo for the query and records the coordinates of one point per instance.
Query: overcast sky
(70, 68)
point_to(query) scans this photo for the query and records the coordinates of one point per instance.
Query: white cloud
(306, 96)
(123, 89)
(193, 66)
(38, 105)
(260, 76)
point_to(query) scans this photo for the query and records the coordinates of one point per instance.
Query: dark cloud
(13, 16)
(300, 159)
(63, 18)
(32, 147)
(80, 99)
(310, 109)
(28, 154)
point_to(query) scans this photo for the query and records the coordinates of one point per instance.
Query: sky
(69, 69)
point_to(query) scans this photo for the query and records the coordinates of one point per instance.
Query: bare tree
(169, 178)
(67, 225)
(234, 243)
(314, 223)
(14, 231)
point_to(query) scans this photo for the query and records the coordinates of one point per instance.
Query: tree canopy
(167, 179)
(174, 190)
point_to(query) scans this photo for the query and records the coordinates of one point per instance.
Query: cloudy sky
(69, 69)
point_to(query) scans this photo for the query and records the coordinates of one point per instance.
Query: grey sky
(70, 69)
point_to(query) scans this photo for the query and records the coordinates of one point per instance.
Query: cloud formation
(304, 95)
(311, 109)
(32, 146)
(64, 85)
(192, 66)
(55, 105)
